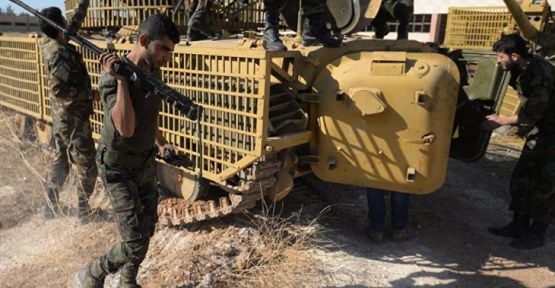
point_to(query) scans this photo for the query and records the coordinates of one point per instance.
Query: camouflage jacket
(68, 78)
(536, 88)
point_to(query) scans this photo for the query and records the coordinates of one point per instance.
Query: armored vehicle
(372, 113)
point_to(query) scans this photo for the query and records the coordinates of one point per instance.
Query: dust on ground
(313, 238)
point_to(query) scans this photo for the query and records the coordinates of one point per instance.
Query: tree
(9, 11)
(1, 11)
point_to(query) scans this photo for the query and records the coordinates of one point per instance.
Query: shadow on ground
(453, 248)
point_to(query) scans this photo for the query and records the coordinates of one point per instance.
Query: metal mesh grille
(477, 28)
(19, 80)
(230, 15)
(116, 13)
(230, 85)
(511, 103)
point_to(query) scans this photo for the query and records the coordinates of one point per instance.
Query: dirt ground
(315, 241)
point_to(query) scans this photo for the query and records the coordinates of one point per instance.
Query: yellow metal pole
(528, 31)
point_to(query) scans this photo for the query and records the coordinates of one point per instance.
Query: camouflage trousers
(198, 14)
(532, 184)
(73, 145)
(310, 7)
(391, 10)
(134, 197)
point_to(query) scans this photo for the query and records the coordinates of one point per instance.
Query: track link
(254, 183)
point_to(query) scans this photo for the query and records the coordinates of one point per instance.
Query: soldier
(399, 215)
(400, 10)
(197, 27)
(126, 152)
(314, 32)
(532, 184)
(71, 96)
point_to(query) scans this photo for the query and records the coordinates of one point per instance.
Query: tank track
(251, 184)
(251, 187)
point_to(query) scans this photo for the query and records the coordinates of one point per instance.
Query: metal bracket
(309, 159)
(309, 97)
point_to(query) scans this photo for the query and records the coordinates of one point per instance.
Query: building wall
(442, 6)
(18, 24)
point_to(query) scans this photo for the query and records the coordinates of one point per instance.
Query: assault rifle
(130, 71)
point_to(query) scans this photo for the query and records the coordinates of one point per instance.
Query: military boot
(315, 34)
(535, 238)
(518, 227)
(195, 35)
(271, 31)
(91, 276)
(52, 207)
(128, 276)
(381, 28)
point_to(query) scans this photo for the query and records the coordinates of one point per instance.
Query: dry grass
(279, 256)
(262, 249)
(23, 171)
(25, 168)
(265, 249)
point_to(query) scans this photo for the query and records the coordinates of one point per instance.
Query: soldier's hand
(107, 60)
(492, 122)
(167, 147)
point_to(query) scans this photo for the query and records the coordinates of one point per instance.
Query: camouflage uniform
(532, 184)
(197, 26)
(314, 31)
(400, 10)
(71, 98)
(127, 169)
(310, 7)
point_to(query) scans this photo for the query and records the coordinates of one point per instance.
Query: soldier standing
(532, 184)
(126, 152)
(314, 33)
(71, 96)
(197, 26)
(400, 10)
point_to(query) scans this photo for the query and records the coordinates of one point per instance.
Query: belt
(112, 157)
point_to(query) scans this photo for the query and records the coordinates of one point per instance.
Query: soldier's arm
(60, 74)
(536, 104)
(79, 15)
(123, 113)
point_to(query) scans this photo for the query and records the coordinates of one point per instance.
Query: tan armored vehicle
(373, 113)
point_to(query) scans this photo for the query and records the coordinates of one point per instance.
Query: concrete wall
(18, 24)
